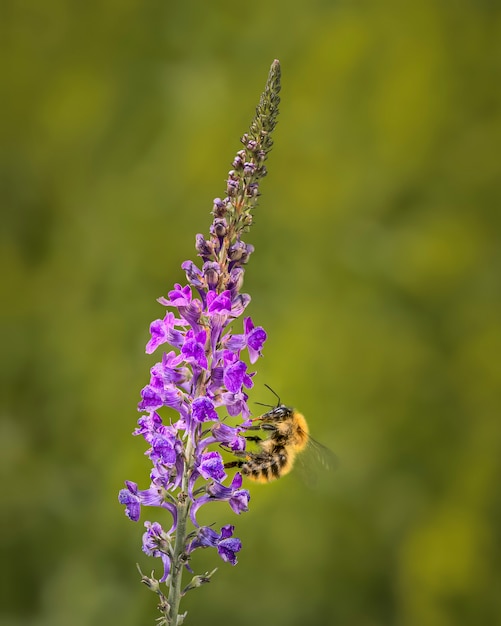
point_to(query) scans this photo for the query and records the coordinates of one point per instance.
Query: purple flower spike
(200, 374)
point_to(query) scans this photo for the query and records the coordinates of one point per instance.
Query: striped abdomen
(263, 467)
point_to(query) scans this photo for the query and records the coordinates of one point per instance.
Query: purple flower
(230, 437)
(227, 545)
(164, 480)
(219, 303)
(211, 466)
(203, 409)
(156, 543)
(181, 297)
(168, 372)
(131, 500)
(156, 495)
(149, 425)
(163, 450)
(252, 339)
(235, 377)
(237, 498)
(255, 339)
(236, 404)
(163, 331)
(156, 395)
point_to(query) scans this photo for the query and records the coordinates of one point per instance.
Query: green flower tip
(267, 109)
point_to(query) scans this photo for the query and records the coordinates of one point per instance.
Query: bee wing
(316, 463)
(322, 454)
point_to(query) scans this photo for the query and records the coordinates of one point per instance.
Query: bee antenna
(274, 393)
(269, 406)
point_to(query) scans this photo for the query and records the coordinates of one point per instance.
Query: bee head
(278, 414)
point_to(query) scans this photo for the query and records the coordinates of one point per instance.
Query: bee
(287, 436)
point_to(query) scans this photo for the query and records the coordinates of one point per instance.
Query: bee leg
(263, 426)
(234, 464)
(269, 427)
(254, 439)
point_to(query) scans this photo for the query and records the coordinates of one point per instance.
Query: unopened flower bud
(211, 272)
(219, 208)
(247, 220)
(232, 187)
(240, 252)
(236, 251)
(193, 274)
(181, 617)
(219, 227)
(150, 581)
(237, 162)
(204, 248)
(236, 279)
(252, 190)
(249, 249)
(249, 168)
(198, 581)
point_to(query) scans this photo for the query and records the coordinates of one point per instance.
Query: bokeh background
(376, 274)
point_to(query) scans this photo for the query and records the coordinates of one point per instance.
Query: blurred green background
(376, 274)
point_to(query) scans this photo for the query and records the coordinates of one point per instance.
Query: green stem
(178, 558)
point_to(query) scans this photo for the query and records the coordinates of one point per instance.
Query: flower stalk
(203, 379)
